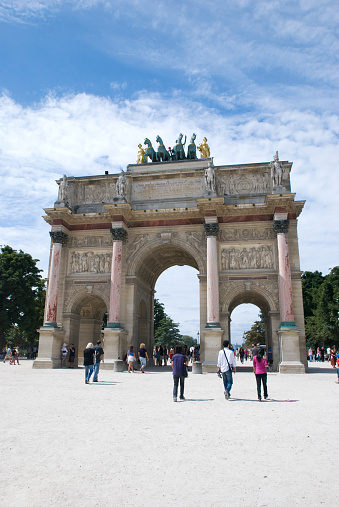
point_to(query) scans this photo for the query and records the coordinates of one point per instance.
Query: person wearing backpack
(259, 368)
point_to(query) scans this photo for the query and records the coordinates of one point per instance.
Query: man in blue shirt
(99, 356)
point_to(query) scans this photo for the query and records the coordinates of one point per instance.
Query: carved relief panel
(244, 184)
(241, 257)
(89, 262)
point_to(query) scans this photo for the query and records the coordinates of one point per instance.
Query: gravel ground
(122, 441)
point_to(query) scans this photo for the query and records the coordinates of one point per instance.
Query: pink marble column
(285, 279)
(118, 235)
(58, 239)
(212, 230)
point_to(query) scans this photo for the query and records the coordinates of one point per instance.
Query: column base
(290, 349)
(45, 364)
(50, 344)
(210, 346)
(115, 346)
(196, 367)
(114, 325)
(291, 367)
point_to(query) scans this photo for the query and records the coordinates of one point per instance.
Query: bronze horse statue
(162, 154)
(150, 151)
(192, 149)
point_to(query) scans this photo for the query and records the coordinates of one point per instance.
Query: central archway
(143, 272)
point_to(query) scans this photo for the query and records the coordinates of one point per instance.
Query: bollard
(119, 365)
(197, 367)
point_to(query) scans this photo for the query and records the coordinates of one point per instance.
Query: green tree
(311, 282)
(321, 307)
(159, 314)
(167, 333)
(188, 340)
(22, 293)
(256, 334)
(327, 311)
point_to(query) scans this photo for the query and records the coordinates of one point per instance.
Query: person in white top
(226, 365)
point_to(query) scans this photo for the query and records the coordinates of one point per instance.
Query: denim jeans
(228, 380)
(176, 383)
(96, 371)
(88, 371)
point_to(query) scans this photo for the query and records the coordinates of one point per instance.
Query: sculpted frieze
(196, 239)
(247, 234)
(90, 262)
(234, 184)
(247, 258)
(91, 241)
(134, 245)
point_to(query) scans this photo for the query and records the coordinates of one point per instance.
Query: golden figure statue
(204, 149)
(141, 158)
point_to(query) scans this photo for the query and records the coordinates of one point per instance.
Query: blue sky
(83, 82)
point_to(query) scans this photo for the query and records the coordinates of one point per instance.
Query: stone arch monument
(112, 236)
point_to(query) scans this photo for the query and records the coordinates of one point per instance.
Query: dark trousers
(176, 383)
(261, 377)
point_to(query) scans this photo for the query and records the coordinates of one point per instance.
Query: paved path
(123, 441)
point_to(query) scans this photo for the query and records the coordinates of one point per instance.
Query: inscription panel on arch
(167, 189)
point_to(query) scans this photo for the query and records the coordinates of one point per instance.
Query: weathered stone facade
(115, 245)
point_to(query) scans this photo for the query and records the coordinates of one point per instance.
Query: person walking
(99, 356)
(259, 368)
(179, 367)
(143, 357)
(88, 361)
(226, 365)
(130, 359)
(8, 355)
(333, 356)
(71, 357)
(64, 352)
(241, 354)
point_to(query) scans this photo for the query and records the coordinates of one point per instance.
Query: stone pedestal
(50, 343)
(114, 346)
(120, 365)
(197, 367)
(290, 351)
(211, 344)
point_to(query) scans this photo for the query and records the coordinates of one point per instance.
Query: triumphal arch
(112, 235)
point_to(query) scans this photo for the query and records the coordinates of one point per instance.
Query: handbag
(230, 367)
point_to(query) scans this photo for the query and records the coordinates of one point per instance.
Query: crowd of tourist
(12, 354)
(320, 354)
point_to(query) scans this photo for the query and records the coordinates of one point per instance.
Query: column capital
(118, 233)
(58, 237)
(211, 229)
(281, 226)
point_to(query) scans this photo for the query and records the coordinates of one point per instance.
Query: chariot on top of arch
(172, 154)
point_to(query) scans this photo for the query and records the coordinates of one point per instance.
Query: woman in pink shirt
(259, 368)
